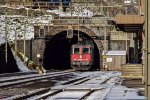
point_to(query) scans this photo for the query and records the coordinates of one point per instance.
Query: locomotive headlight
(80, 56)
(86, 59)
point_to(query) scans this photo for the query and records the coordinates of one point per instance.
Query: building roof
(115, 53)
(129, 19)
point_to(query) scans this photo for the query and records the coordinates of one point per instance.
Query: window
(76, 50)
(86, 50)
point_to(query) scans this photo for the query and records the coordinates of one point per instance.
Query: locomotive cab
(81, 57)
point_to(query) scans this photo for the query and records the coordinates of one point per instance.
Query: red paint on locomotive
(81, 57)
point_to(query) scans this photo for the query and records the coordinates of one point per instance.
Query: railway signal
(41, 32)
(70, 32)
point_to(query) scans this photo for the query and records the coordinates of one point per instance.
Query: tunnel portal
(57, 51)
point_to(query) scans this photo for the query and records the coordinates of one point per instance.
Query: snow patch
(2, 40)
(84, 13)
(21, 26)
(20, 64)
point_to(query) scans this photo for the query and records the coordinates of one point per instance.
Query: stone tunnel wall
(54, 30)
(33, 47)
(37, 45)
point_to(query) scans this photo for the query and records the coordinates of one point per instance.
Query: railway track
(29, 78)
(7, 75)
(31, 95)
(15, 85)
(89, 90)
(79, 88)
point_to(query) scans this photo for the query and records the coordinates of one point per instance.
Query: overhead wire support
(24, 40)
(146, 49)
(78, 27)
(6, 44)
(25, 29)
(15, 44)
(105, 50)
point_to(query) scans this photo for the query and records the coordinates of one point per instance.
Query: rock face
(20, 26)
(10, 66)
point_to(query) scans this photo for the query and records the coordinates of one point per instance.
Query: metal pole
(78, 27)
(25, 37)
(6, 46)
(38, 56)
(38, 63)
(27, 13)
(24, 41)
(104, 47)
(15, 44)
(48, 27)
(126, 41)
(147, 50)
(140, 8)
(101, 8)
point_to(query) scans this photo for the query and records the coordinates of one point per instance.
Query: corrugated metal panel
(115, 53)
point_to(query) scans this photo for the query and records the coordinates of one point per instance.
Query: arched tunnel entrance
(57, 50)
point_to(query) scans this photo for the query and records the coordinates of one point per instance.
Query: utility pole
(24, 42)
(25, 36)
(147, 50)
(104, 58)
(101, 8)
(15, 44)
(126, 41)
(78, 27)
(6, 46)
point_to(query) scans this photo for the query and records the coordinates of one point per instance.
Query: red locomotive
(81, 56)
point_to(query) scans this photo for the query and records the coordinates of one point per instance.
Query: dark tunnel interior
(10, 66)
(57, 51)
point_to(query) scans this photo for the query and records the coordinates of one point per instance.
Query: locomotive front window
(76, 50)
(86, 50)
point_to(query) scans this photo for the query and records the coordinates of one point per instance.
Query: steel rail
(44, 90)
(14, 81)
